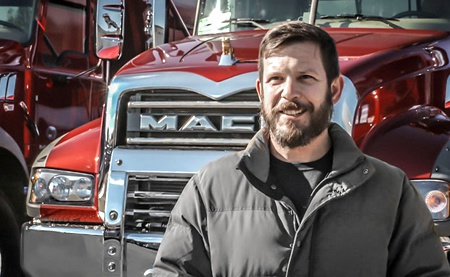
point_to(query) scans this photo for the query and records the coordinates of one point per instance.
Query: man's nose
(290, 89)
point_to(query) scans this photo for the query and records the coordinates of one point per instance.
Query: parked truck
(100, 196)
(51, 81)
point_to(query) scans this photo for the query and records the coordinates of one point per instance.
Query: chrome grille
(150, 199)
(184, 119)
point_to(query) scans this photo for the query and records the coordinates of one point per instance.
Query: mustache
(293, 106)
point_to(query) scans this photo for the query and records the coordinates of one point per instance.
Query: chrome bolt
(112, 267)
(119, 162)
(112, 250)
(113, 215)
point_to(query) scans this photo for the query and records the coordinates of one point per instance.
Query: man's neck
(316, 149)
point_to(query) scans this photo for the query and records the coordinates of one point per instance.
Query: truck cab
(175, 107)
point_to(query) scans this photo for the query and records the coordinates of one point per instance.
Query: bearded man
(301, 199)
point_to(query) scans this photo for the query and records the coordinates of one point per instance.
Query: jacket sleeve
(415, 249)
(184, 248)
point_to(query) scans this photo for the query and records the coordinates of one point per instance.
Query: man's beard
(291, 135)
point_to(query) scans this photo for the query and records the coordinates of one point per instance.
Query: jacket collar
(256, 157)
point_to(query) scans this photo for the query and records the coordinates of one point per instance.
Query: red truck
(51, 81)
(101, 195)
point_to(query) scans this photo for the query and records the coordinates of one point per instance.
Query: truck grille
(150, 199)
(184, 119)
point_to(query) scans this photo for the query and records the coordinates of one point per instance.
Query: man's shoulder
(227, 162)
(221, 170)
(387, 176)
(222, 176)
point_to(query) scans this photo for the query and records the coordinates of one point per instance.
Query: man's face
(296, 100)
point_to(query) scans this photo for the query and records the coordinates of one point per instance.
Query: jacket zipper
(306, 217)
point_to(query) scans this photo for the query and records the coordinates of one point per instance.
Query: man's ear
(259, 89)
(336, 89)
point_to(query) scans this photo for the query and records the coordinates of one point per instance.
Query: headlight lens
(436, 196)
(83, 188)
(41, 192)
(60, 187)
(54, 186)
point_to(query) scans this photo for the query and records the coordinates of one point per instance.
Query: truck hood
(85, 141)
(11, 52)
(201, 54)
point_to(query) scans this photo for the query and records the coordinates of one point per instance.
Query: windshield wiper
(249, 21)
(361, 17)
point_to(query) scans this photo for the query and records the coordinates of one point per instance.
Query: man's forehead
(301, 55)
(285, 47)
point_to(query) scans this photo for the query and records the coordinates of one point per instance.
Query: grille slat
(164, 214)
(150, 200)
(153, 195)
(192, 105)
(188, 142)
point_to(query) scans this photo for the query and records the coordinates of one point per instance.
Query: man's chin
(286, 132)
(287, 128)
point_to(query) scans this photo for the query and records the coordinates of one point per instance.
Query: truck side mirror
(110, 31)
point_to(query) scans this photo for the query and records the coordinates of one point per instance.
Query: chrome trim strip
(41, 159)
(194, 105)
(151, 213)
(96, 230)
(183, 142)
(162, 161)
(184, 81)
(153, 195)
(115, 199)
(345, 108)
(447, 93)
(145, 238)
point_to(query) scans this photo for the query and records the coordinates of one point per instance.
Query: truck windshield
(216, 16)
(16, 19)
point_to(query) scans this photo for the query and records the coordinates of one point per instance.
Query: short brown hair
(297, 31)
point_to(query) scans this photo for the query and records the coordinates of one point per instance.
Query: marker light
(436, 195)
(436, 201)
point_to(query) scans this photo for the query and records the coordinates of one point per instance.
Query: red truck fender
(419, 133)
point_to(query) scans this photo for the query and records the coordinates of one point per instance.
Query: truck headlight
(50, 186)
(436, 196)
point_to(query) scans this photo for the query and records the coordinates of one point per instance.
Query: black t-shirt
(297, 180)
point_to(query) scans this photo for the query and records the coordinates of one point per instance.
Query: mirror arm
(87, 71)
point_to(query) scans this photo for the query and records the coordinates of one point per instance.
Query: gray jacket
(364, 219)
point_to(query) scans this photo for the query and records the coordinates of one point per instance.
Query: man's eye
(306, 77)
(274, 79)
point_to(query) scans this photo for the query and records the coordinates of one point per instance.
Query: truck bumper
(63, 250)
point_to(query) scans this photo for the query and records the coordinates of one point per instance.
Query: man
(301, 199)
